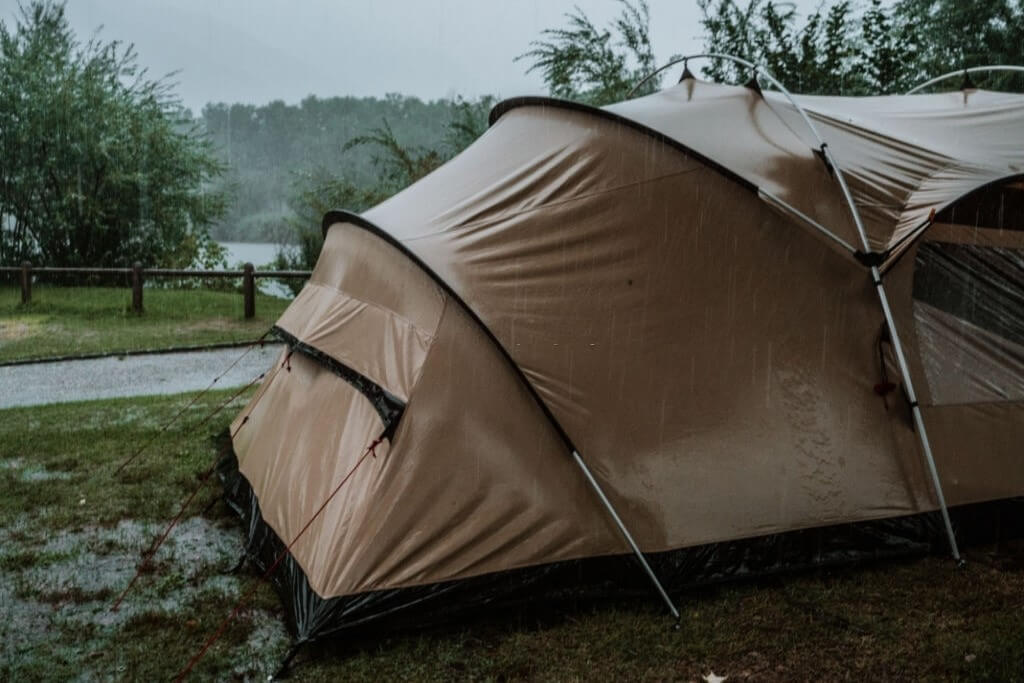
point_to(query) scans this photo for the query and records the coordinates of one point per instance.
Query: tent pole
(908, 385)
(789, 208)
(916, 409)
(625, 533)
(830, 160)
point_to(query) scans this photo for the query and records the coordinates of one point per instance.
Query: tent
(709, 314)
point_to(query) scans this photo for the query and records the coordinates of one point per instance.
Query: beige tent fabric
(902, 155)
(475, 481)
(713, 361)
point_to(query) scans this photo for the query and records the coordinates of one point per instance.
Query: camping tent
(649, 327)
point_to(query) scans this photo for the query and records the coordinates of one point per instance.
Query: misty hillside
(266, 147)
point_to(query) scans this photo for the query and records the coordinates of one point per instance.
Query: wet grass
(79, 320)
(63, 560)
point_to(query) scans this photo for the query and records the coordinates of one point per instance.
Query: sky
(256, 51)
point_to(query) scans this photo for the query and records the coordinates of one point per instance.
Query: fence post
(26, 282)
(249, 291)
(137, 288)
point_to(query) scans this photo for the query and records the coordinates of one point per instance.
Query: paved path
(170, 373)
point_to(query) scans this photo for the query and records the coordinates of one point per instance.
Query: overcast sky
(260, 50)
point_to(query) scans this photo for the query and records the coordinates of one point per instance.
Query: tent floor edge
(552, 591)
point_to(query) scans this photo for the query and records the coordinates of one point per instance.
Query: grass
(78, 320)
(71, 532)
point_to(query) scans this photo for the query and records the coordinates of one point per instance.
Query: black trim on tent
(372, 614)
(387, 405)
(505, 106)
(342, 216)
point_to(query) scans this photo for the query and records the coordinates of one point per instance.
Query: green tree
(102, 166)
(396, 165)
(883, 50)
(597, 66)
(820, 56)
(953, 34)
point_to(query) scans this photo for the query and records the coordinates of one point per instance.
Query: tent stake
(625, 533)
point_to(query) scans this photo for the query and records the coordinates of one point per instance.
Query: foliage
(952, 34)
(102, 166)
(269, 148)
(881, 51)
(397, 165)
(841, 47)
(597, 66)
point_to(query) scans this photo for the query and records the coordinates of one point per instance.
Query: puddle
(31, 472)
(78, 574)
(263, 650)
(35, 473)
(25, 624)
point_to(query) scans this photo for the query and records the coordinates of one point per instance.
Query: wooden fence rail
(139, 274)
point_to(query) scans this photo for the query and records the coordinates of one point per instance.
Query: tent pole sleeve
(625, 533)
(916, 409)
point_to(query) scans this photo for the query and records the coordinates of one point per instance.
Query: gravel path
(170, 373)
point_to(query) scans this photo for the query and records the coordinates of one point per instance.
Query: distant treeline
(268, 148)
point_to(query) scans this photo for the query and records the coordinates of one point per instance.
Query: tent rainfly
(649, 331)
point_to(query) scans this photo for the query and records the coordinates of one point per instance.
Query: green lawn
(77, 320)
(71, 532)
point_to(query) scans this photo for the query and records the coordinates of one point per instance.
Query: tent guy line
(255, 583)
(174, 418)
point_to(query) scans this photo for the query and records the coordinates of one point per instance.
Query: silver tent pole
(862, 233)
(789, 208)
(625, 533)
(971, 70)
(908, 385)
(918, 418)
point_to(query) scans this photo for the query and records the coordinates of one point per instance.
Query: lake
(261, 255)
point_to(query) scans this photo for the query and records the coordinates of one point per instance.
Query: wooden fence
(139, 274)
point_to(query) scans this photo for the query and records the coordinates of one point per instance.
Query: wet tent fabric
(713, 359)
(902, 156)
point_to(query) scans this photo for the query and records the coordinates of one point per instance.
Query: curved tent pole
(342, 216)
(873, 260)
(960, 72)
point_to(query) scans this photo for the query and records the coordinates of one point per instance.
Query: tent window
(969, 318)
(996, 206)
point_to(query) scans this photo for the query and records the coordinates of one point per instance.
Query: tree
(822, 55)
(396, 164)
(883, 51)
(836, 49)
(102, 166)
(582, 62)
